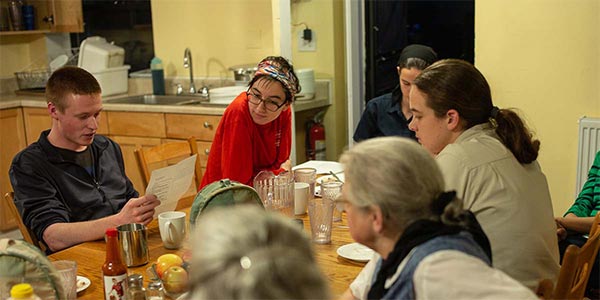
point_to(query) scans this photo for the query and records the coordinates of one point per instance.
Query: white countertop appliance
(105, 61)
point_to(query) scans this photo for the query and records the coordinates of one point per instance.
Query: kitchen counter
(322, 99)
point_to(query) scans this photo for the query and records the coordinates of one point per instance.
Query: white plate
(82, 283)
(356, 252)
(58, 62)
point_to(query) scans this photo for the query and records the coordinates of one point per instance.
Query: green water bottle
(158, 76)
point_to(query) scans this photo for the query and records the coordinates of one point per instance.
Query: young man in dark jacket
(70, 185)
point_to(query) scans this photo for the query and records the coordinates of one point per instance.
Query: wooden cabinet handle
(206, 151)
(207, 125)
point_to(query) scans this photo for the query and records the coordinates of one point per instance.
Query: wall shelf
(25, 32)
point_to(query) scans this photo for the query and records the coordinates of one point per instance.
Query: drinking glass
(330, 191)
(67, 270)
(308, 175)
(320, 216)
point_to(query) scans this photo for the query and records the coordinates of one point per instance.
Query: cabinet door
(36, 121)
(68, 16)
(182, 126)
(128, 144)
(58, 15)
(12, 140)
(136, 124)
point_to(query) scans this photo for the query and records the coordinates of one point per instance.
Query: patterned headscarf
(273, 69)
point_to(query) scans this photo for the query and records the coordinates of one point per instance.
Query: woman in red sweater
(255, 131)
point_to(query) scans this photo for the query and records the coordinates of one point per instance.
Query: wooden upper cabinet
(67, 16)
(54, 16)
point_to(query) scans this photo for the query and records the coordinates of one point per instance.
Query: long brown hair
(456, 84)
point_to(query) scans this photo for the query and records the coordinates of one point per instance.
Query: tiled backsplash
(8, 85)
(144, 85)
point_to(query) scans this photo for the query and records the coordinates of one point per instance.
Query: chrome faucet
(187, 63)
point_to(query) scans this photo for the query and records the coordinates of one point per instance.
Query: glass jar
(135, 284)
(155, 291)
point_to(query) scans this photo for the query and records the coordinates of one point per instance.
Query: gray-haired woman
(243, 252)
(427, 246)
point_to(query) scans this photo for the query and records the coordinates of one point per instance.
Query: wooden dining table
(340, 272)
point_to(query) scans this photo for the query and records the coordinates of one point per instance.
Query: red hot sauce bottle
(114, 271)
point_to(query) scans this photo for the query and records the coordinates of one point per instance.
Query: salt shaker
(136, 291)
(155, 291)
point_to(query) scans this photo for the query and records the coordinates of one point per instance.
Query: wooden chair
(575, 269)
(167, 154)
(27, 234)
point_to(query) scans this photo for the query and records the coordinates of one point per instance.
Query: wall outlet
(305, 45)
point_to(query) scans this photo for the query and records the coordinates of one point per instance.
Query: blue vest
(403, 288)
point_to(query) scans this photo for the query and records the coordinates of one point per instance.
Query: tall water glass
(308, 175)
(330, 191)
(67, 270)
(320, 216)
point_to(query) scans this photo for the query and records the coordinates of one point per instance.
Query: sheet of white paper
(170, 183)
(322, 166)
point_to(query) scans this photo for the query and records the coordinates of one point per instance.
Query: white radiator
(589, 144)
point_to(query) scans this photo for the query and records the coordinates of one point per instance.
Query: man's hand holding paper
(170, 183)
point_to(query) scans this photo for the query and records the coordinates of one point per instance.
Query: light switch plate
(304, 45)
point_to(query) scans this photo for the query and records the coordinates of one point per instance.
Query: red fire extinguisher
(315, 138)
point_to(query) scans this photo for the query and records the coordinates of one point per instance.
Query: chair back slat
(165, 154)
(576, 266)
(27, 234)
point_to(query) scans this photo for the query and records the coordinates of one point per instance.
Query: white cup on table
(172, 227)
(301, 196)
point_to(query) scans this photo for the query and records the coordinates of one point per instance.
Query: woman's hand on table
(286, 165)
(561, 231)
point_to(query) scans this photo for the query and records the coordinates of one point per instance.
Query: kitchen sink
(163, 100)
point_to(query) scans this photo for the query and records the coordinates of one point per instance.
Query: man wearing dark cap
(389, 114)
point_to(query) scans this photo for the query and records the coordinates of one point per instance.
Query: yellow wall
(325, 18)
(543, 57)
(220, 34)
(21, 52)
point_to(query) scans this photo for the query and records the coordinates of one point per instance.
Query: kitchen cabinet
(128, 144)
(142, 129)
(54, 16)
(182, 126)
(36, 120)
(12, 140)
(141, 124)
(132, 130)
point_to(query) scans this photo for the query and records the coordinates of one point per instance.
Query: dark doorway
(127, 23)
(446, 26)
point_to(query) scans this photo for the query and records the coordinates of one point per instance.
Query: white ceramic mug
(301, 190)
(172, 227)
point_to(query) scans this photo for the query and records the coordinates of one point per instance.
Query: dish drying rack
(36, 74)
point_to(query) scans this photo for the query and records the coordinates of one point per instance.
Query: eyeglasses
(270, 105)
